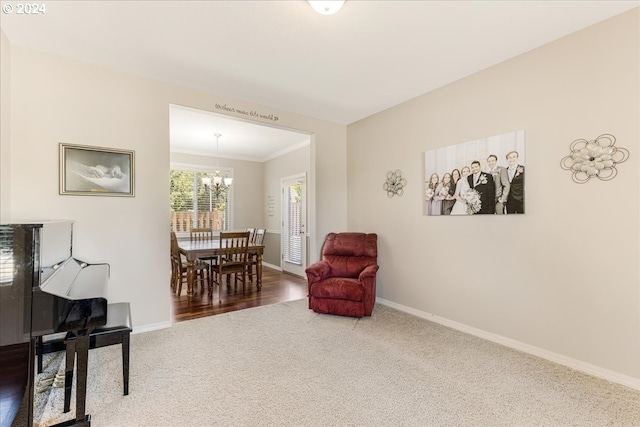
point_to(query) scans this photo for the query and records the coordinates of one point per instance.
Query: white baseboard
(569, 362)
(275, 267)
(151, 327)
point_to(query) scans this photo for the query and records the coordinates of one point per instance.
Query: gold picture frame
(96, 171)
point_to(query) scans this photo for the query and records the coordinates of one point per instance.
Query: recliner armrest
(318, 271)
(369, 272)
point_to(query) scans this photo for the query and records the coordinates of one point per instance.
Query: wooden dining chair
(232, 261)
(252, 233)
(179, 270)
(252, 259)
(200, 235)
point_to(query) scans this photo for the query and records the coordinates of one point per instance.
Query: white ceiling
(192, 131)
(368, 57)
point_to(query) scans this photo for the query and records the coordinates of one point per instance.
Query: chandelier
(220, 184)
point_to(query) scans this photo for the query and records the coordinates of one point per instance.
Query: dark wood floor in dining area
(276, 287)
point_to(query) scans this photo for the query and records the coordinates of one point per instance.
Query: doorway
(294, 219)
(254, 152)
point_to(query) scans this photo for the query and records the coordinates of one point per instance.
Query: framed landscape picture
(480, 177)
(96, 171)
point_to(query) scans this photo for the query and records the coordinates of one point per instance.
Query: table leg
(191, 272)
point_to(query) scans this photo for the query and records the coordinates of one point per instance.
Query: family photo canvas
(480, 177)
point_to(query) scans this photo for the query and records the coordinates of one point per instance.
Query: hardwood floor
(14, 371)
(276, 287)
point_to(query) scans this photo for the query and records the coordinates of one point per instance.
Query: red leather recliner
(344, 281)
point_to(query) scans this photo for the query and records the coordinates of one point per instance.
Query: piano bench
(116, 331)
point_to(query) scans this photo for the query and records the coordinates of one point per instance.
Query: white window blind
(6, 256)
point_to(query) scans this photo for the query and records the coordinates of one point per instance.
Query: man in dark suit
(500, 180)
(483, 183)
(515, 199)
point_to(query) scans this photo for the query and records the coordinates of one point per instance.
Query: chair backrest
(350, 253)
(252, 234)
(234, 247)
(176, 261)
(199, 234)
(259, 236)
(174, 245)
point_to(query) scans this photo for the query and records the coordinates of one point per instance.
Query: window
(196, 205)
(6, 256)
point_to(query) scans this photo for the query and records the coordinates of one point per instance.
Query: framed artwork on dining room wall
(96, 171)
(480, 177)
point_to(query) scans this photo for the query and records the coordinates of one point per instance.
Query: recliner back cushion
(350, 253)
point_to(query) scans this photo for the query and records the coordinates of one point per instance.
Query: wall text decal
(252, 113)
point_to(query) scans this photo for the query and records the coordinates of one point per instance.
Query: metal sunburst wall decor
(395, 183)
(594, 159)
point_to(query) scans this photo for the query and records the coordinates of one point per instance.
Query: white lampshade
(328, 7)
(206, 180)
(228, 181)
(217, 180)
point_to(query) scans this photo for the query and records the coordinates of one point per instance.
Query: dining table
(210, 248)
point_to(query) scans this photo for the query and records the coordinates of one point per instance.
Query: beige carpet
(283, 365)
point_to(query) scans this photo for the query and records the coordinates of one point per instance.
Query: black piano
(44, 290)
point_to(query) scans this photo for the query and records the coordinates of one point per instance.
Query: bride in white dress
(460, 206)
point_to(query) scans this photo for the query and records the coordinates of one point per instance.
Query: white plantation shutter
(293, 220)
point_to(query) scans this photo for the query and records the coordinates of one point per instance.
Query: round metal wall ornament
(594, 159)
(395, 183)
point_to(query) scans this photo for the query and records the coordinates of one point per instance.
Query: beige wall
(562, 280)
(293, 163)
(60, 100)
(5, 127)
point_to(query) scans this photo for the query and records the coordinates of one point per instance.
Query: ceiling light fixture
(220, 183)
(326, 7)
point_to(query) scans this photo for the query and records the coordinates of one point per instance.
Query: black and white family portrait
(484, 176)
